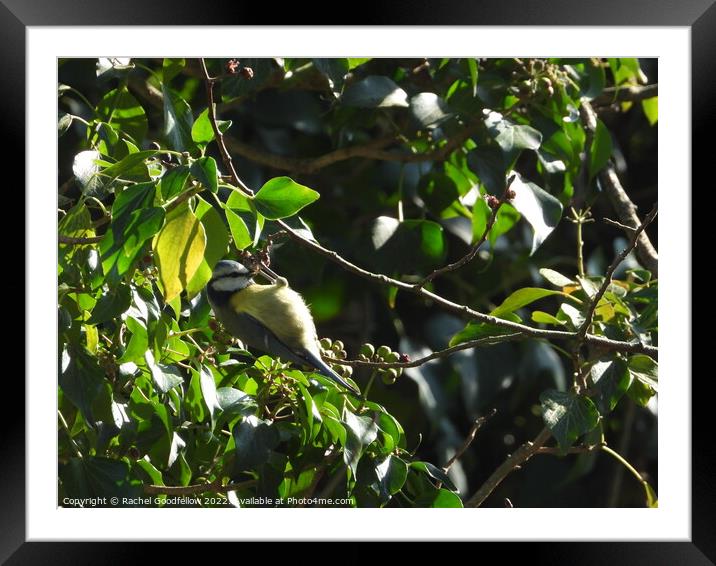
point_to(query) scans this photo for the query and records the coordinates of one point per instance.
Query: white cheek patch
(229, 284)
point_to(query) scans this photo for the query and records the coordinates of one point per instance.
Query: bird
(272, 318)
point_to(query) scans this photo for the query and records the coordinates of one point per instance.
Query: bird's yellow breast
(280, 309)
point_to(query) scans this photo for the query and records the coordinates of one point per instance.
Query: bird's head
(230, 276)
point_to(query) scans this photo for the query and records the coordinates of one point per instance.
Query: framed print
(350, 279)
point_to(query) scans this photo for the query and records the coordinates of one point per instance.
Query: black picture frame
(698, 15)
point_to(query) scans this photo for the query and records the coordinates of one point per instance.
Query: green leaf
(375, 92)
(357, 62)
(204, 171)
(233, 403)
(472, 67)
(568, 416)
(556, 278)
(133, 218)
(202, 132)
(252, 441)
(217, 240)
(171, 68)
(392, 473)
(99, 477)
(600, 150)
(541, 210)
(435, 473)
(429, 110)
(208, 390)
(650, 106)
(133, 165)
(481, 214)
(521, 298)
(179, 249)
(282, 197)
(519, 137)
(173, 181)
(645, 373)
(121, 110)
(361, 432)
(546, 318)
(178, 121)
(111, 305)
(489, 165)
(239, 231)
(81, 379)
(64, 121)
(438, 498)
(479, 330)
(164, 377)
(612, 379)
(138, 343)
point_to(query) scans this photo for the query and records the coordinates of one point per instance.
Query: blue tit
(272, 318)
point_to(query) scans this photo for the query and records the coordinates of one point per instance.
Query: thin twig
(467, 258)
(225, 155)
(519, 457)
(477, 425)
(610, 271)
(420, 361)
(631, 93)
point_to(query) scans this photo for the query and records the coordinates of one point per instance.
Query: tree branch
(632, 93)
(513, 462)
(78, 241)
(625, 208)
(610, 272)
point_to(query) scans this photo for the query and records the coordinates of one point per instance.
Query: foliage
(152, 392)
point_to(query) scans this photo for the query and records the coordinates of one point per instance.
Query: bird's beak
(268, 273)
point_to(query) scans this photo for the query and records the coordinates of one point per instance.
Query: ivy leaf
(178, 249)
(81, 379)
(124, 113)
(282, 197)
(568, 416)
(178, 121)
(202, 132)
(645, 372)
(361, 432)
(375, 92)
(164, 377)
(205, 171)
(613, 379)
(111, 305)
(252, 441)
(541, 210)
(429, 110)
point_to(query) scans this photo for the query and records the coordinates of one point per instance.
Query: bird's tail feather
(325, 369)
